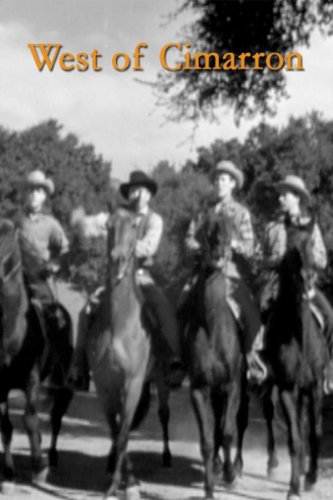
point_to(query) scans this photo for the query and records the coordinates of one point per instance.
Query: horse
(119, 351)
(26, 357)
(294, 349)
(216, 361)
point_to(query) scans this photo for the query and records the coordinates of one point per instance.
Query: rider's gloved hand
(53, 267)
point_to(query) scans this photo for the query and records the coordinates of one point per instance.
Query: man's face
(140, 196)
(36, 198)
(289, 202)
(224, 184)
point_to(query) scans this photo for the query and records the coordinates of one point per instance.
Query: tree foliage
(238, 26)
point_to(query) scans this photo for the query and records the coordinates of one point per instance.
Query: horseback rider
(138, 192)
(43, 241)
(227, 180)
(295, 201)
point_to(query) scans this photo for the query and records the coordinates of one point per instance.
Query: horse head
(121, 243)
(216, 240)
(296, 269)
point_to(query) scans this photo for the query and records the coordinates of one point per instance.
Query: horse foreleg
(216, 400)
(242, 423)
(229, 417)
(121, 439)
(301, 430)
(201, 406)
(164, 416)
(6, 436)
(61, 400)
(31, 424)
(268, 410)
(288, 402)
(315, 423)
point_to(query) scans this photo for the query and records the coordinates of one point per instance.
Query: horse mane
(292, 271)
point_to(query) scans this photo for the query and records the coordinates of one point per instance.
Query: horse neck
(290, 308)
(216, 310)
(14, 308)
(125, 301)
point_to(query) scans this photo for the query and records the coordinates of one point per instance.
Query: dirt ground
(84, 445)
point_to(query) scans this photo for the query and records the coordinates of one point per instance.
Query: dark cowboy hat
(226, 166)
(138, 179)
(295, 184)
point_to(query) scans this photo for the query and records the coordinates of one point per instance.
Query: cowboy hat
(37, 178)
(295, 184)
(226, 166)
(138, 179)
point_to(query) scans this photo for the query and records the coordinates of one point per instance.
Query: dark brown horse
(119, 349)
(26, 357)
(295, 352)
(216, 362)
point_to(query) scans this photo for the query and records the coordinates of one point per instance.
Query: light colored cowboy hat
(37, 178)
(226, 166)
(138, 179)
(295, 184)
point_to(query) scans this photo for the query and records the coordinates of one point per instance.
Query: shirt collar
(222, 206)
(143, 211)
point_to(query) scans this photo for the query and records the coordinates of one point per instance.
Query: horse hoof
(53, 458)
(293, 496)
(41, 476)
(133, 493)
(167, 460)
(271, 472)
(238, 467)
(308, 485)
(7, 487)
(230, 483)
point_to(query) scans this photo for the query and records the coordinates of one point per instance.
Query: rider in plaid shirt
(228, 178)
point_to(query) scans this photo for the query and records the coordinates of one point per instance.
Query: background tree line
(304, 146)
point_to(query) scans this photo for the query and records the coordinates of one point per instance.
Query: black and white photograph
(166, 249)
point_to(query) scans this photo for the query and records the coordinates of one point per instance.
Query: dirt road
(84, 445)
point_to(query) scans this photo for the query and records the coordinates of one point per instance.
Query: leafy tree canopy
(238, 26)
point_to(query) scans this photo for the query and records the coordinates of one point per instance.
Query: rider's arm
(275, 244)
(148, 245)
(191, 242)
(319, 250)
(243, 243)
(58, 241)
